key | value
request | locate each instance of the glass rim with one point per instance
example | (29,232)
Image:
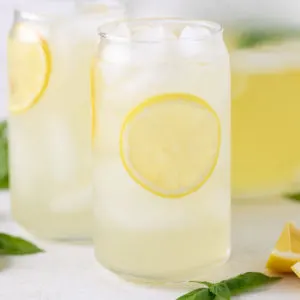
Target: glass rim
(214,28)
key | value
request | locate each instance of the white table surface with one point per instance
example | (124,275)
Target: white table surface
(70,272)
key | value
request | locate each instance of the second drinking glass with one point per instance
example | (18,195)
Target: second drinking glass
(50,49)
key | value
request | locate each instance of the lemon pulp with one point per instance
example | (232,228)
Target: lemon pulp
(296,269)
(169,144)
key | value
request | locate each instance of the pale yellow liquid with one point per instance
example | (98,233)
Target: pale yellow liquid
(265,123)
(50,143)
(139,234)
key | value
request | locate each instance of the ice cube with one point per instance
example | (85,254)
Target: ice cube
(194,33)
(153,43)
(28,35)
(169,34)
(117,53)
(194,43)
(153,34)
(122,31)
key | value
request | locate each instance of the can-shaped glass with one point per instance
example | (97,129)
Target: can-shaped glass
(161,106)
(50,48)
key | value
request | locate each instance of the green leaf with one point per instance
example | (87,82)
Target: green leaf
(204,295)
(4,183)
(234,286)
(189,295)
(221,291)
(257,37)
(4,169)
(208,284)
(199,294)
(295,196)
(248,281)
(13,245)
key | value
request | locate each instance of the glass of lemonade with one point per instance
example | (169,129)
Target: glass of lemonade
(161,148)
(50,48)
(265,110)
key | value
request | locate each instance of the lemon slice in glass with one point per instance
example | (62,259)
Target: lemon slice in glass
(93,98)
(287,250)
(29,67)
(95,87)
(170,144)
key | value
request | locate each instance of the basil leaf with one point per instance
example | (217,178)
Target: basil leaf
(221,291)
(13,245)
(295,196)
(199,294)
(4,169)
(255,38)
(208,284)
(248,281)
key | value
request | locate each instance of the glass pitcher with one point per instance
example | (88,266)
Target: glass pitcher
(265,59)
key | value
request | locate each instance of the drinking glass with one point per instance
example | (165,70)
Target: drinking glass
(50,49)
(161,105)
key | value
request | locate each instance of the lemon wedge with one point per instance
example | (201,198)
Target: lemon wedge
(287,250)
(169,144)
(29,65)
(296,269)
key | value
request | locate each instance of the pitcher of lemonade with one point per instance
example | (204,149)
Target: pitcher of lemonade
(265,60)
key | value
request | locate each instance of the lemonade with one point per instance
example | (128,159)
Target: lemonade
(265,117)
(50,49)
(162,148)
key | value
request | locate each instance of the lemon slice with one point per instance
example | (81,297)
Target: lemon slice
(93,98)
(170,144)
(29,63)
(287,250)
